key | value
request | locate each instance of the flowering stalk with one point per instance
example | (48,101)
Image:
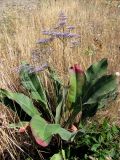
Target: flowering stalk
(64,60)
(63,33)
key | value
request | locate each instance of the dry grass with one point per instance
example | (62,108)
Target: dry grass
(97,22)
(8,142)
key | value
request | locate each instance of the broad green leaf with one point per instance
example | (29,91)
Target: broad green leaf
(32,83)
(96,70)
(97,95)
(59,156)
(24,101)
(77,81)
(15,107)
(73,87)
(43,132)
(103,86)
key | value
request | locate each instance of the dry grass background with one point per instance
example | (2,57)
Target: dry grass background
(97,22)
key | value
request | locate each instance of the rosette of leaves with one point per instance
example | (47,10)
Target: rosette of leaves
(90,90)
(42,130)
(85,93)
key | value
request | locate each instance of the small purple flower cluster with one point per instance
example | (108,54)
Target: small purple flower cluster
(30,69)
(57,35)
(70,28)
(45,40)
(62,19)
(39,68)
(19,68)
(65,33)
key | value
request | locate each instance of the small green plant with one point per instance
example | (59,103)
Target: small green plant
(100,141)
(85,93)
(95,142)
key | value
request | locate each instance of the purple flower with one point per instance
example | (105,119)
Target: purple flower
(39,68)
(74,35)
(62,19)
(46,32)
(29,68)
(22,66)
(62,16)
(70,27)
(62,23)
(62,34)
(45,40)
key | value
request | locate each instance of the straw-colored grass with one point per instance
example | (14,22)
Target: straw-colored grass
(97,22)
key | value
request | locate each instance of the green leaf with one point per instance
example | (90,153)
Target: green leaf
(102,87)
(88,110)
(77,81)
(73,87)
(99,89)
(96,93)
(76,108)
(43,132)
(58,113)
(101,139)
(96,70)
(105,99)
(57,84)
(74,99)
(61,106)
(32,83)
(24,101)
(109,136)
(95,147)
(114,129)
(59,156)
(15,107)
